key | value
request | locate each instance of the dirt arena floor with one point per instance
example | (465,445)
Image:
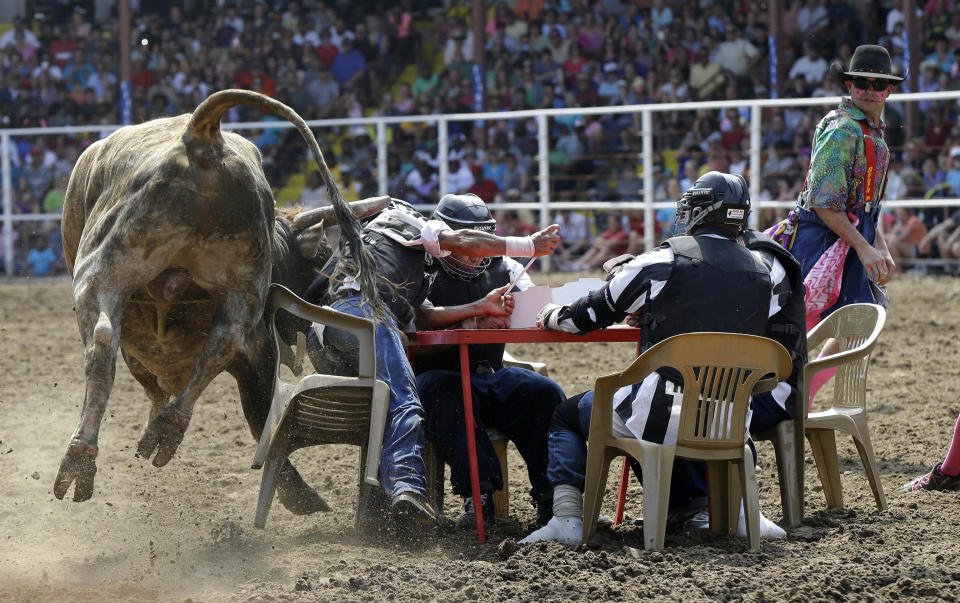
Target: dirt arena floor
(185,532)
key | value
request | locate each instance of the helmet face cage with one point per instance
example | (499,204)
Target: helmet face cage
(461,270)
(464,212)
(714,199)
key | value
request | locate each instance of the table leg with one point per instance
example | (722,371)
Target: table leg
(471,440)
(622,492)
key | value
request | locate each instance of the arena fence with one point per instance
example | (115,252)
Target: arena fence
(642,123)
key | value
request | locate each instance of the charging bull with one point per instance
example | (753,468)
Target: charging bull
(170,234)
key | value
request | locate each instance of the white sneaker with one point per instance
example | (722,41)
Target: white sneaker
(700,521)
(768,529)
(565,530)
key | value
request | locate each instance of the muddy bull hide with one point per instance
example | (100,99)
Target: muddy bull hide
(170,233)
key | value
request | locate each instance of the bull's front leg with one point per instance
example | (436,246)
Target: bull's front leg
(231,325)
(99,315)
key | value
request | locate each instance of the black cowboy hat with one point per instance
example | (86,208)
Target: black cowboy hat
(873,61)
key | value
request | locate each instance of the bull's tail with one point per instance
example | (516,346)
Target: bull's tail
(204,142)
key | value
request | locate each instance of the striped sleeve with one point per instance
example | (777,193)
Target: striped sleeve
(637,281)
(780,290)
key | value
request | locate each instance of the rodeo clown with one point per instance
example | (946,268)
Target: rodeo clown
(405,246)
(514,400)
(711,277)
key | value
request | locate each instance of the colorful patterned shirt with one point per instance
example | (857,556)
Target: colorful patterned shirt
(838,162)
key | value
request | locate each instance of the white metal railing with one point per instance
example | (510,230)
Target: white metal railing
(544,204)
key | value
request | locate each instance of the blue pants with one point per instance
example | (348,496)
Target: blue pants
(567,446)
(813,239)
(401,461)
(516,401)
(568,456)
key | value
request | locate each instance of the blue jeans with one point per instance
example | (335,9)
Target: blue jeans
(401,461)
(516,401)
(567,446)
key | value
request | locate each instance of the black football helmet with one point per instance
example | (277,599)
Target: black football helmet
(715,198)
(466,211)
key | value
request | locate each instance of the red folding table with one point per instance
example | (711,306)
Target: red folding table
(465,337)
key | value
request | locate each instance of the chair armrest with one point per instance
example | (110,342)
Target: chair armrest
(601,415)
(281,297)
(766,385)
(818,334)
(839,358)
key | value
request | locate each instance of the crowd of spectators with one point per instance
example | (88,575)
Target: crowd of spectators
(62,69)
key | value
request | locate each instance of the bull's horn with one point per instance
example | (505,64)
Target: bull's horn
(361,209)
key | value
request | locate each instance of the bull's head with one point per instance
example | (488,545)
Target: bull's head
(301,250)
(309,226)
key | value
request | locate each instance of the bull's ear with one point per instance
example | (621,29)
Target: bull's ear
(312,240)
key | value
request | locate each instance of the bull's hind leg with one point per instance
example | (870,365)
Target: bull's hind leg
(227,334)
(158,397)
(99,313)
(253,370)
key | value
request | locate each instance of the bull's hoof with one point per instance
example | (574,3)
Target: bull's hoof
(296,496)
(77,466)
(163,435)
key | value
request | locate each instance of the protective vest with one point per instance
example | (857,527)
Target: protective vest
(788,326)
(714,285)
(449,291)
(406,273)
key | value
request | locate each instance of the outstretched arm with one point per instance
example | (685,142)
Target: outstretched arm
(633,284)
(476,243)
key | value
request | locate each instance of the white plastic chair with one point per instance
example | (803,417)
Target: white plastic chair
(857,328)
(720,371)
(322,409)
(537,367)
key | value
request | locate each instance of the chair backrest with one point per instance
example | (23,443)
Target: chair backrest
(720,372)
(856,327)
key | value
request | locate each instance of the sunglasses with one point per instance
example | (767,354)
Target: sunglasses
(878,85)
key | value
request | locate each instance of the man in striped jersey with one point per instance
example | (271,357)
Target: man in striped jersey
(712,277)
